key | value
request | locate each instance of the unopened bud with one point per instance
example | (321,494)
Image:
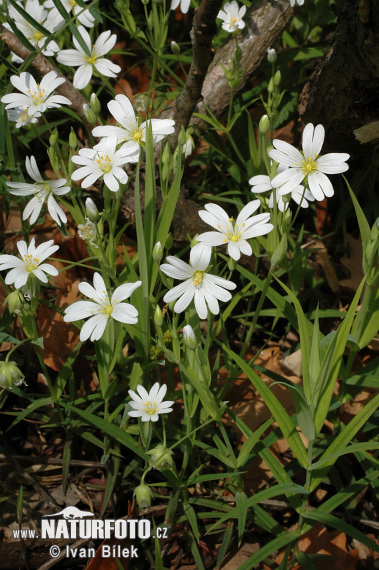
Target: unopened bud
(89,115)
(189,337)
(270,87)
(14,302)
(232,264)
(53,137)
(175,48)
(166,154)
(10,374)
(158,316)
(95,104)
(182,136)
(92,212)
(277,78)
(158,252)
(143,496)
(72,140)
(141,102)
(264,124)
(271,55)
(161,457)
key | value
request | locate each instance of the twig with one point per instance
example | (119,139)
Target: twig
(43,66)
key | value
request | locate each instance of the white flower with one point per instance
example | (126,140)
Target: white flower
(29,264)
(184,5)
(189,337)
(232,16)
(148,405)
(42,190)
(35,97)
(84,17)
(307,165)
(130,132)
(52,21)
(100,308)
(234,234)
(21,117)
(78,57)
(105,162)
(204,288)
(271,55)
(87,232)
(263,183)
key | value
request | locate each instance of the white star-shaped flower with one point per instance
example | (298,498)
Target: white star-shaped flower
(42,190)
(148,405)
(78,57)
(234,234)
(52,21)
(262,183)
(232,16)
(29,264)
(21,117)
(84,16)
(103,161)
(100,309)
(307,165)
(131,133)
(35,97)
(199,285)
(183,5)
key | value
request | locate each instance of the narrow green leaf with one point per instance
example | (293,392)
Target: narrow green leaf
(367,376)
(281,489)
(275,407)
(113,469)
(190,513)
(364,446)
(110,429)
(364,228)
(337,523)
(268,549)
(39,403)
(66,464)
(342,440)
(227,538)
(20,504)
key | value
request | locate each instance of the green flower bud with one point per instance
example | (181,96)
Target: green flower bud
(270,87)
(182,136)
(10,374)
(277,78)
(89,115)
(53,137)
(232,264)
(161,457)
(158,316)
(175,48)
(189,337)
(92,212)
(72,140)
(141,102)
(264,124)
(14,302)
(143,496)
(95,104)
(158,252)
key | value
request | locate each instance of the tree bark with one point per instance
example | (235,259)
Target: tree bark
(343,91)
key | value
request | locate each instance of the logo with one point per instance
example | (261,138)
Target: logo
(72,513)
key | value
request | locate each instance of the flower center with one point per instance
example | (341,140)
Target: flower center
(198,277)
(37,36)
(31,263)
(137,135)
(87,231)
(72,3)
(104,162)
(232,21)
(92,59)
(308,165)
(38,95)
(106,310)
(150,408)
(233,233)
